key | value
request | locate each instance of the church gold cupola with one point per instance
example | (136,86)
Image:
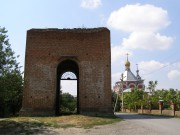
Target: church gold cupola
(127,63)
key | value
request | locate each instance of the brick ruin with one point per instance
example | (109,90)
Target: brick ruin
(50,53)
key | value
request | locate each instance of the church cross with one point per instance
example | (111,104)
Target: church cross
(127,56)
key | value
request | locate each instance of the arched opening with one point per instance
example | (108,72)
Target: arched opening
(67,93)
(124,86)
(140,86)
(131,85)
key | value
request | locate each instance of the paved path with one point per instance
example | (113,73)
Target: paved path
(151,125)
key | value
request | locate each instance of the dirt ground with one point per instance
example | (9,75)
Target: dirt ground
(133,124)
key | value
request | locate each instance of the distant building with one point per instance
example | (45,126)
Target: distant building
(129,80)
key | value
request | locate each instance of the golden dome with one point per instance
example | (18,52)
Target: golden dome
(127,64)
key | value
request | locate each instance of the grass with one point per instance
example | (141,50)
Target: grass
(30,125)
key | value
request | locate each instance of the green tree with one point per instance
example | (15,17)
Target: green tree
(137,96)
(134,99)
(68,103)
(167,96)
(178,99)
(171,96)
(128,100)
(154,99)
(152,86)
(11,81)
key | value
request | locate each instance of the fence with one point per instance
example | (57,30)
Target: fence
(161,111)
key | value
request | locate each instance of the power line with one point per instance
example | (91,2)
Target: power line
(162,67)
(170,56)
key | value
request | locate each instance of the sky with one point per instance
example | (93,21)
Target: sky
(148,30)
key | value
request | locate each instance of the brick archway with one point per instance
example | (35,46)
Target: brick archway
(63,67)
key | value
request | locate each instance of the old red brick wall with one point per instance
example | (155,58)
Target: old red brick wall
(47,48)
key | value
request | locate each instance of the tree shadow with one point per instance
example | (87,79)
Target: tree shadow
(131,116)
(9,127)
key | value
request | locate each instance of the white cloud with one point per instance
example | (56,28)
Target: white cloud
(147,40)
(150,66)
(116,76)
(117,52)
(143,22)
(91,4)
(175,66)
(139,18)
(174,74)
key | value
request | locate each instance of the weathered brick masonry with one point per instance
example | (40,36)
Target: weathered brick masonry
(47,48)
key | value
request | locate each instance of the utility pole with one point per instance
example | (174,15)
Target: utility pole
(122,76)
(120,89)
(116,101)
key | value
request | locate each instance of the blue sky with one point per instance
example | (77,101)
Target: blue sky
(148,30)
